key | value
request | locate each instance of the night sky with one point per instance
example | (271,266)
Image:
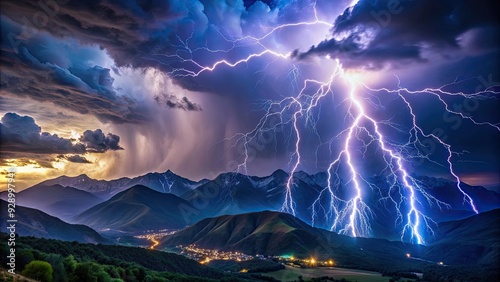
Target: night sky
(121,88)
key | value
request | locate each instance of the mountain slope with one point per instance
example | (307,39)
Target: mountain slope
(274,233)
(61,202)
(138,209)
(266,232)
(32,222)
(474,239)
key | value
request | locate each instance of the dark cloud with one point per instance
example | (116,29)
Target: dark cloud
(74,159)
(128,30)
(132,32)
(249,3)
(20,135)
(159,34)
(375,34)
(96,141)
(353,54)
(85,90)
(174,102)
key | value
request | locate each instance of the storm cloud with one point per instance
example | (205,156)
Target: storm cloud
(177,37)
(378,34)
(21,136)
(82,90)
(96,141)
(174,102)
(74,159)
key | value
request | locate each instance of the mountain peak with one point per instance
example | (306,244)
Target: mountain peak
(280,173)
(137,209)
(266,232)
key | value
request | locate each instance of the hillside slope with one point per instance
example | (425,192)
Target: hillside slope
(268,233)
(139,209)
(32,222)
(471,240)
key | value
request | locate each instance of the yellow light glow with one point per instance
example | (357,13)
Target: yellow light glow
(58,165)
(75,135)
(330,262)
(313,261)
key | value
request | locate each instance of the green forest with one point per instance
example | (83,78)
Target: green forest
(50,260)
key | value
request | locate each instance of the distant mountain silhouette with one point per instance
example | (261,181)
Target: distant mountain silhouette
(61,202)
(32,222)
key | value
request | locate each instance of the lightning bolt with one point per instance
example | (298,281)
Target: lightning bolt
(486,94)
(350,213)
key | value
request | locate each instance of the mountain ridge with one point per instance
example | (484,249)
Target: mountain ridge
(167,182)
(235,193)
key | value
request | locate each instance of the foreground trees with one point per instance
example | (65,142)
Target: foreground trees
(38,270)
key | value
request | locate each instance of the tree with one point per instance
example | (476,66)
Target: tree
(69,265)
(90,272)
(57,262)
(38,270)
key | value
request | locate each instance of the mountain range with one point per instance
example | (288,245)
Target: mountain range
(134,211)
(166,182)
